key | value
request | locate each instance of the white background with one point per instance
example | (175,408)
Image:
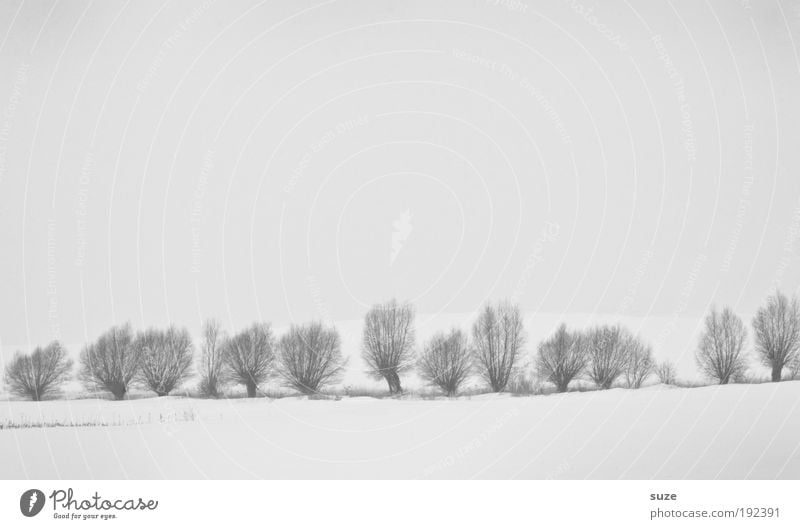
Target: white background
(404,504)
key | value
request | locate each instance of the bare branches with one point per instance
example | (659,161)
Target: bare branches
(211,365)
(166,358)
(608,350)
(720,353)
(562,357)
(640,363)
(498,337)
(446,361)
(310,356)
(249,356)
(777,333)
(39,374)
(388,342)
(794,368)
(111,362)
(665,373)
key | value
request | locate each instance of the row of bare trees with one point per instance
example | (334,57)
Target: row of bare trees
(494,352)
(308,357)
(722,350)
(447,359)
(160,360)
(605,355)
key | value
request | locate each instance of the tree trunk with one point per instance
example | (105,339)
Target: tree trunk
(251,389)
(393,379)
(306,389)
(562,386)
(776,372)
(118,390)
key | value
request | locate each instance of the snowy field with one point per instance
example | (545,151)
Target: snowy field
(721,432)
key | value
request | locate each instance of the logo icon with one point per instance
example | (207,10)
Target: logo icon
(402,229)
(31,502)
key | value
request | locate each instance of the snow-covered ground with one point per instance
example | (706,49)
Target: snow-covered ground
(737,431)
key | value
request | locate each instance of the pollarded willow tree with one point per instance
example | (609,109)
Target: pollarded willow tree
(387,344)
(38,375)
(720,352)
(211,364)
(640,363)
(249,357)
(310,356)
(561,358)
(166,358)
(446,361)
(111,362)
(777,333)
(608,348)
(498,337)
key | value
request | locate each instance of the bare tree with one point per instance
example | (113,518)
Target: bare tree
(39,374)
(498,337)
(446,361)
(794,368)
(111,362)
(211,366)
(249,356)
(310,356)
(608,349)
(640,363)
(166,358)
(561,358)
(388,342)
(777,333)
(720,352)
(665,373)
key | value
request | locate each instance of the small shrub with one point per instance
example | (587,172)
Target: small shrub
(666,374)
(525,385)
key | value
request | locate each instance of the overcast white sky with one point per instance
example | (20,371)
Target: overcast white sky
(287,160)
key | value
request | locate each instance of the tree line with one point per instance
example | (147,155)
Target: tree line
(308,357)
